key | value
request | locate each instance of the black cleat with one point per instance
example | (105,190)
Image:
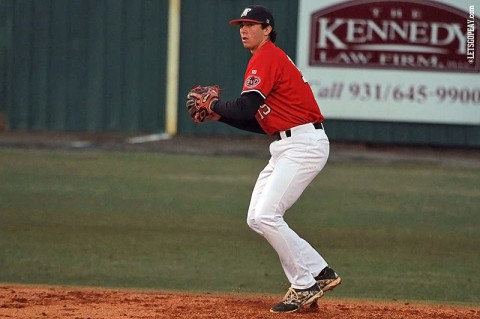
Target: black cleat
(328,279)
(295,299)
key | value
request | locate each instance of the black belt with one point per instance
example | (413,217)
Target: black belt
(288,133)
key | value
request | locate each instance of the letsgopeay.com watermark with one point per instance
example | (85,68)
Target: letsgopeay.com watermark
(471,35)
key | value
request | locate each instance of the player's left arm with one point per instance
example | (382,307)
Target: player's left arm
(243,108)
(250,125)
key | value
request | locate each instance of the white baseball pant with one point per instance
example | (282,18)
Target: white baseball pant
(294,163)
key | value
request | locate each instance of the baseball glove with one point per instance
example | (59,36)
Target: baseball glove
(199,102)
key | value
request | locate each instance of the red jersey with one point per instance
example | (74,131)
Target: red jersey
(289,100)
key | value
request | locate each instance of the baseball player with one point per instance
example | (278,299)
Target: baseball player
(276,100)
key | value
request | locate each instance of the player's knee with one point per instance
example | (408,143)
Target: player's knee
(259,225)
(253,225)
(265,222)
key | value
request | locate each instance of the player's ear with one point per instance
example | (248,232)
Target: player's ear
(267,30)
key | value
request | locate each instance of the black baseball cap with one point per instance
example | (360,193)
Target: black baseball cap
(255,14)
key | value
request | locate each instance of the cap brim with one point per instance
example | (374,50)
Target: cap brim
(238,21)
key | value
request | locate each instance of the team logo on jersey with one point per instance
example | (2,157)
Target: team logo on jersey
(252,81)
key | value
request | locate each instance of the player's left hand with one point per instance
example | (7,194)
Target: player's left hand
(199,102)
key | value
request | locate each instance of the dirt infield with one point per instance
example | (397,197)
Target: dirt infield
(17,301)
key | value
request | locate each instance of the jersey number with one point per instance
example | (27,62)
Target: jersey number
(264,110)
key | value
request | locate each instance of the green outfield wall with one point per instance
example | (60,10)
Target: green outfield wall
(101,66)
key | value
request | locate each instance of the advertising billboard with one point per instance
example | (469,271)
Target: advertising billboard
(400,61)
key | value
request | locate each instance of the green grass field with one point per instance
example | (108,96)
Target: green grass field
(155,221)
